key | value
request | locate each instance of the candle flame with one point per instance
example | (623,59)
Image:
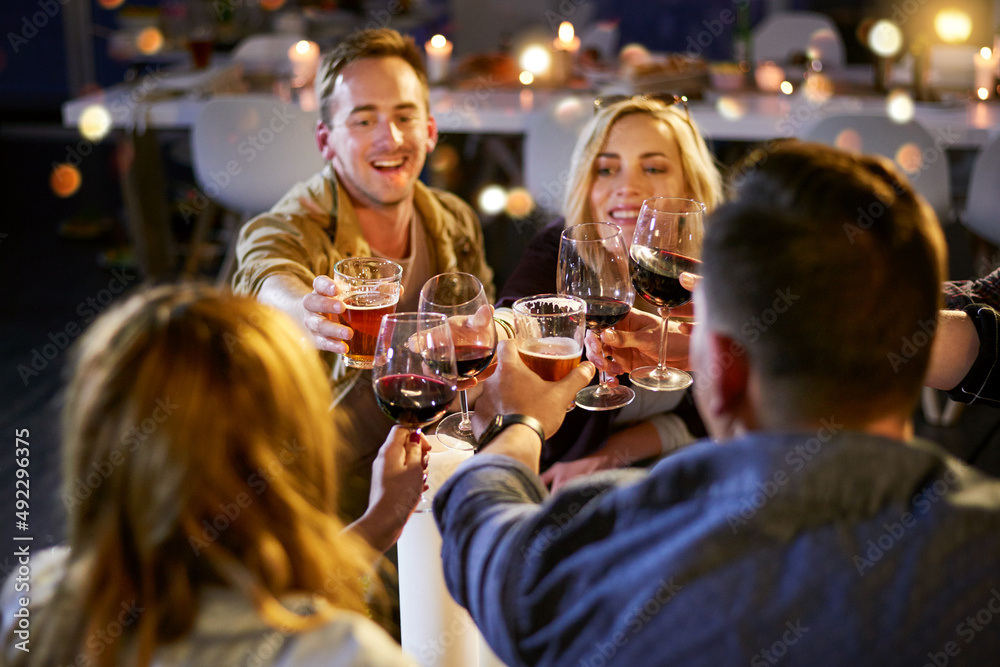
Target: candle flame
(566,32)
(438,41)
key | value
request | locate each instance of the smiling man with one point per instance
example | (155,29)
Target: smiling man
(375,133)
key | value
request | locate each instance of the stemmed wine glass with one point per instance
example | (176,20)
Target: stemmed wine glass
(593,265)
(414,371)
(667,242)
(461,297)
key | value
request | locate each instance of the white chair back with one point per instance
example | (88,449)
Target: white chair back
(783,34)
(982,205)
(549,139)
(265,52)
(248,151)
(908,144)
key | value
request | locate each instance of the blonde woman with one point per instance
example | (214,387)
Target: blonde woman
(199,480)
(634,148)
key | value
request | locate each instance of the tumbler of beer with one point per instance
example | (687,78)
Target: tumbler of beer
(369,288)
(549,331)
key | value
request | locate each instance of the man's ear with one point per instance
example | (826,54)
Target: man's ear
(432,133)
(729,374)
(323,142)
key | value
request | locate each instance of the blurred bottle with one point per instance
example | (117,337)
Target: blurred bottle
(742,43)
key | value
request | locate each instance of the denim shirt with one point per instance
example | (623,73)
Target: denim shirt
(833,547)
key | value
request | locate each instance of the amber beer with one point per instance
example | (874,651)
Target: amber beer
(364,315)
(369,288)
(550,358)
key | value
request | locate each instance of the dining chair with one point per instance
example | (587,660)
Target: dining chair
(247,151)
(265,52)
(785,34)
(921,157)
(982,204)
(549,138)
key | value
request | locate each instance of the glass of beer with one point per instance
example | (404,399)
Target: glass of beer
(549,331)
(369,288)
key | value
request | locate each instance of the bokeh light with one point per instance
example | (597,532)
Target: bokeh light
(787,88)
(536,59)
(526,78)
(952,25)
(444,159)
(492,199)
(95,122)
(271,5)
(885,38)
(520,203)
(149,41)
(730,108)
(983,93)
(566,32)
(849,140)
(110,4)
(65,180)
(899,106)
(818,88)
(910,158)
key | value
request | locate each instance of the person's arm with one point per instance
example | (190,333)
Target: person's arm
(397,481)
(961,293)
(307,305)
(516,389)
(955,348)
(635,341)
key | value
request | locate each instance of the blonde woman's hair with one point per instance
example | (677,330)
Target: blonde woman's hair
(701,174)
(197,451)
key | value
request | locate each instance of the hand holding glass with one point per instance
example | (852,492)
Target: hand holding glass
(462,299)
(549,331)
(414,369)
(667,242)
(593,265)
(369,288)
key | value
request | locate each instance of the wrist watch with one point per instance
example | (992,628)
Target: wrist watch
(500,422)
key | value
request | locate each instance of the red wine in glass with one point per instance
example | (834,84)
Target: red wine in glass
(472,360)
(604,312)
(656,275)
(413,401)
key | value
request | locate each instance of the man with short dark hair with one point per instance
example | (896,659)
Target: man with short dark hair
(815,529)
(375,133)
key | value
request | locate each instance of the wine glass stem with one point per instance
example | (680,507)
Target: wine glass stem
(602,387)
(466,423)
(661,366)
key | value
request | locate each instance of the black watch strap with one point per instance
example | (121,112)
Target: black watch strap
(500,422)
(981,384)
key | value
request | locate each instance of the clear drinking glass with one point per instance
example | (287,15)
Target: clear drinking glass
(667,242)
(369,287)
(414,370)
(462,299)
(593,265)
(549,331)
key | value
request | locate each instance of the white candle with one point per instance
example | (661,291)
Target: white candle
(304,56)
(434,628)
(438,50)
(985,76)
